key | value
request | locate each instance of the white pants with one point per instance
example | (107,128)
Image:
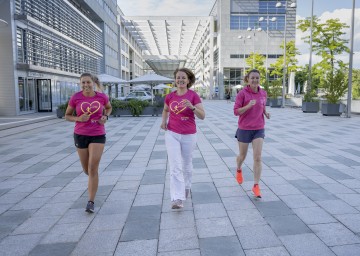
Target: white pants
(180,149)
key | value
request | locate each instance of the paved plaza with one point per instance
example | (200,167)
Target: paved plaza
(310,186)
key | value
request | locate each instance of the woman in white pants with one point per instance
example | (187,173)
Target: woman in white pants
(178,119)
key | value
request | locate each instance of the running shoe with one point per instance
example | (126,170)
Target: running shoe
(239,176)
(177,204)
(256,190)
(90,207)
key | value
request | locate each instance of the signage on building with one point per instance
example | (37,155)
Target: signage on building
(35,74)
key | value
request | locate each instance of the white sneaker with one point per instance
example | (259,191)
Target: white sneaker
(177,204)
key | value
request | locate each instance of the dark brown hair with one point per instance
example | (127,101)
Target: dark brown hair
(189,74)
(246,78)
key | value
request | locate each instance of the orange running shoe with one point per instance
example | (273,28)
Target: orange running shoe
(239,176)
(256,190)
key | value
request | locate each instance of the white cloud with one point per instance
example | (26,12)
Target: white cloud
(344,15)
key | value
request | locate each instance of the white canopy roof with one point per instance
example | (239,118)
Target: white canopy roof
(151,79)
(105,78)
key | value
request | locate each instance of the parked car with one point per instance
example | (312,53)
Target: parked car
(139,95)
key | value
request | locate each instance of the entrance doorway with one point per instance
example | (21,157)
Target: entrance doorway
(43,89)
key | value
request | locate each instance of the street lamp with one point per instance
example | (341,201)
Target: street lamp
(348,111)
(243,37)
(292,5)
(254,29)
(273,19)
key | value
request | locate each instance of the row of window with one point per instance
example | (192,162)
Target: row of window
(61,17)
(110,32)
(252,21)
(262,7)
(35,49)
(111,52)
(242,56)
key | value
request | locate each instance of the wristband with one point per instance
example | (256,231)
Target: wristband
(107,117)
(193,109)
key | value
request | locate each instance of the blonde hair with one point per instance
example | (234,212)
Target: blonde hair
(95,79)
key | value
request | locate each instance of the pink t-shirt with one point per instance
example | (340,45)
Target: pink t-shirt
(93,105)
(253,118)
(181,118)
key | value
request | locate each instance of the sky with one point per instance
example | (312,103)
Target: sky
(324,9)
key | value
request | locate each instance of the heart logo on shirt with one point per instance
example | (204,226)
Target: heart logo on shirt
(92,108)
(177,107)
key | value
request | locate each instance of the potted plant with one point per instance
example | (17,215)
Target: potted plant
(60,111)
(336,86)
(310,103)
(120,107)
(275,90)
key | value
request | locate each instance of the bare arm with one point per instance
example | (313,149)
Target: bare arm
(164,116)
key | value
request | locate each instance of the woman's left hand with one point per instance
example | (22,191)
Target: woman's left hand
(188,104)
(267,114)
(102,120)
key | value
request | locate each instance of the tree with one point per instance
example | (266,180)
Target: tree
(356,84)
(291,61)
(328,42)
(257,60)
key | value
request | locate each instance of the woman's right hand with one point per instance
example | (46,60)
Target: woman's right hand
(84,117)
(251,103)
(163,126)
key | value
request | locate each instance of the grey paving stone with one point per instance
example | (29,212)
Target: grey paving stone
(37,168)
(136,248)
(305,245)
(177,219)
(237,203)
(284,189)
(153,179)
(332,173)
(203,211)
(59,249)
(313,215)
(231,192)
(36,225)
(347,250)
(254,237)
(149,199)
(178,239)
(9,246)
(21,158)
(287,225)
(337,207)
(352,199)
(98,243)
(351,221)
(216,246)
(140,230)
(149,212)
(271,251)
(65,233)
(214,227)
(334,234)
(275,208)
(181,253)
(297,201)
(11,219)
(246,217)
(304,184)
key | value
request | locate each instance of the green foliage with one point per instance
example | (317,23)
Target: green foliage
(118,104)
(291,61)
(275,89)
(310,96)
(336,85)
(256,61)
(63,106)
(356,84)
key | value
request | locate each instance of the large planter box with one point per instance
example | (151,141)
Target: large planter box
(149,111)
(328,109)
(60,113)
(275,103)
(122,112)
(310,107)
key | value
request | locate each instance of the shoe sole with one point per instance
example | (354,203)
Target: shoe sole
(177,206)
(89,211)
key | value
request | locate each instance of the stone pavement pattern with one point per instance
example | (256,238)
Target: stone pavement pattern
(310,186)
